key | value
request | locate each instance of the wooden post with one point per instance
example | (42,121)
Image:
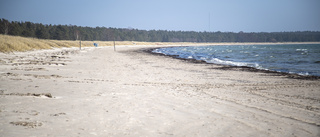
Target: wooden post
(114,45)
(80,43)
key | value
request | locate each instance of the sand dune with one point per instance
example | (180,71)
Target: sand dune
(99,92)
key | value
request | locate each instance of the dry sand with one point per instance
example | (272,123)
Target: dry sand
(99,92)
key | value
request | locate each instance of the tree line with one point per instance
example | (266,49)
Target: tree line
(72,32)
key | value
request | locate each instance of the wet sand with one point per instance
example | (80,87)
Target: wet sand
(99,92)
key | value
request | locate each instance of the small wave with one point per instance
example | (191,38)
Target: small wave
(157,51)
(222,62)
(303,73)
(232,63)
(301,49)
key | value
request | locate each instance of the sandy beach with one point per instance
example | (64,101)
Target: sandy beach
(100,92)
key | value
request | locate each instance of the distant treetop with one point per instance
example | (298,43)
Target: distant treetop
(71,32)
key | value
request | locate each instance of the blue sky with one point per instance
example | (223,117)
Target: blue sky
(184,15)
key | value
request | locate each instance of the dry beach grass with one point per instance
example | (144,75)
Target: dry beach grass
(99,92)
(16,43)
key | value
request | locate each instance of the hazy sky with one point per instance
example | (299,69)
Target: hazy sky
(185,15)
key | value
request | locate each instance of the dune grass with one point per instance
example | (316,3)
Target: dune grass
(16,43)
(21,44)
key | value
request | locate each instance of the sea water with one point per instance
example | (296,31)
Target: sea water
(302,59)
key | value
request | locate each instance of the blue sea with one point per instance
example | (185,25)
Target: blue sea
(302,59)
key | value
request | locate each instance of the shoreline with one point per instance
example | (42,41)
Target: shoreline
(238,68)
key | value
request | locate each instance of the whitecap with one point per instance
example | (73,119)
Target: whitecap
(303,73)
(301,49)
(223,62)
